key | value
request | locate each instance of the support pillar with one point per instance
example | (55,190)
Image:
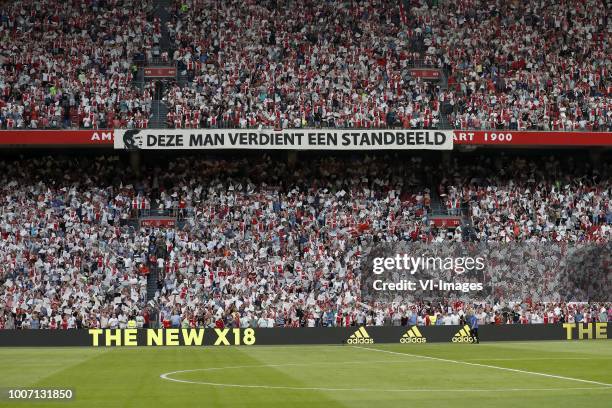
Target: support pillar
(135,161)
(292,157)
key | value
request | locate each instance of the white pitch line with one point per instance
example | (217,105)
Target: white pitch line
(535,358)
(515,370)
(310,364)
(167,376)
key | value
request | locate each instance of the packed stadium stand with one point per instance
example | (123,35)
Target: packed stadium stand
(67,64)
(306,203)
(259,241)
(506,65)
(93,240)
(470,64)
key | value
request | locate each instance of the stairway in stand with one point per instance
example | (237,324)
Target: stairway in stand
(159,112)
(152,282)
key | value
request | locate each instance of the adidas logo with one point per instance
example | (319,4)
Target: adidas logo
(361,336)
(413,335)
(463,335)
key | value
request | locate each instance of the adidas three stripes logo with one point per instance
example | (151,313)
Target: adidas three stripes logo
(360,336)
(413,335)
(464,335)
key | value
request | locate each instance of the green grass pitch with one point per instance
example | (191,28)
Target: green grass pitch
(512,374)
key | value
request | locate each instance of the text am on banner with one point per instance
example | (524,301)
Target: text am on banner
(57,138)
(287,139)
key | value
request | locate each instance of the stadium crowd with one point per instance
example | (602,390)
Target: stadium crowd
(522,65)
(508,65)
(529,200)
(265,242)
(310,64)
(536,64)
(72,64)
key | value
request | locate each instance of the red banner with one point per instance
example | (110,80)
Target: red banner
(98,137)
(531,138)
(445,222)
(158,222)
(425,73)
(105,137)
(160,72)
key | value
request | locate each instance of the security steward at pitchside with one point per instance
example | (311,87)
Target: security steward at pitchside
(473,322)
